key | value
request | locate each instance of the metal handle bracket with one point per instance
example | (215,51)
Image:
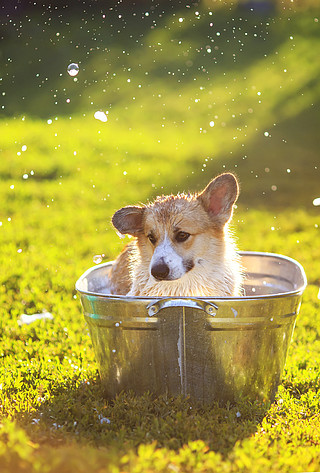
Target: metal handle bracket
(208,307)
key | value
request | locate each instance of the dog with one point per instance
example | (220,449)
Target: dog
(182,245)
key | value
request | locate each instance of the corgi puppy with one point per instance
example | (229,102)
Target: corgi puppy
(182,246)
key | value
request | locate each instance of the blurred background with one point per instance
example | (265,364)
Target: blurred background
(106,103)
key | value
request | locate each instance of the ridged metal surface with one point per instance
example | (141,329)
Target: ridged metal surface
(211,349)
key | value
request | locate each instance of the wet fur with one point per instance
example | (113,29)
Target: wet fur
(206,264)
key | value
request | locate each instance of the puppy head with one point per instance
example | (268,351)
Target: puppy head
(175,233)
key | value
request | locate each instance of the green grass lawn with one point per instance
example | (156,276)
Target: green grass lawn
(63,174)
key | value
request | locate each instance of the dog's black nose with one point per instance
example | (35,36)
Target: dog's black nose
(160,270)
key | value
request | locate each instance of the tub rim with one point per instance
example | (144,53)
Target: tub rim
(124,298)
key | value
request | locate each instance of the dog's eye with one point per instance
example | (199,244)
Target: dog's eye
(152,238)
(182,236)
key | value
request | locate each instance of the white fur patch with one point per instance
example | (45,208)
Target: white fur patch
(165,253)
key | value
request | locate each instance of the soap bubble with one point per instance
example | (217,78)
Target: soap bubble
(73,69)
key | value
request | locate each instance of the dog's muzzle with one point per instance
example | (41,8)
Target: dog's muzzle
(161,271)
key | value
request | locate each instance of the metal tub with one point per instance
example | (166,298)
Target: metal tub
(211,349)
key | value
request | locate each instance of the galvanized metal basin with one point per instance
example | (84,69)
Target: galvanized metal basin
(212,349)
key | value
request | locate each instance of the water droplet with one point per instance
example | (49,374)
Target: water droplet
(97,259)
(235,312)
(73,69)
(100,116)
(211,123)
(105,420)
(266,133)
(24,148)
(316,202)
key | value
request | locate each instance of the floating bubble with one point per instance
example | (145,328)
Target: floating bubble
(101,116)
(73,69)
(316,202)
(97,259)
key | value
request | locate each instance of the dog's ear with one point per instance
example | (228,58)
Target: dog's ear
(129,220)
(219,196)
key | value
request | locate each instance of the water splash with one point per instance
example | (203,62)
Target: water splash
(26,319)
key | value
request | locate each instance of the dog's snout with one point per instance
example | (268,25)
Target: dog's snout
(160,270)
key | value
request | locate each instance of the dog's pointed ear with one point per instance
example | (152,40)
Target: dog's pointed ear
(129,220)
(219,197)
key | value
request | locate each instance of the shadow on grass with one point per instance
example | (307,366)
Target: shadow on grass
(84,415)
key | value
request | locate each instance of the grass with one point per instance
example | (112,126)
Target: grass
(61,180)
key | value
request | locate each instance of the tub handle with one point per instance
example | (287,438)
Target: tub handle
(209,307)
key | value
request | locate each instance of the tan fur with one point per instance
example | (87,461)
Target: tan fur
(216,269)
